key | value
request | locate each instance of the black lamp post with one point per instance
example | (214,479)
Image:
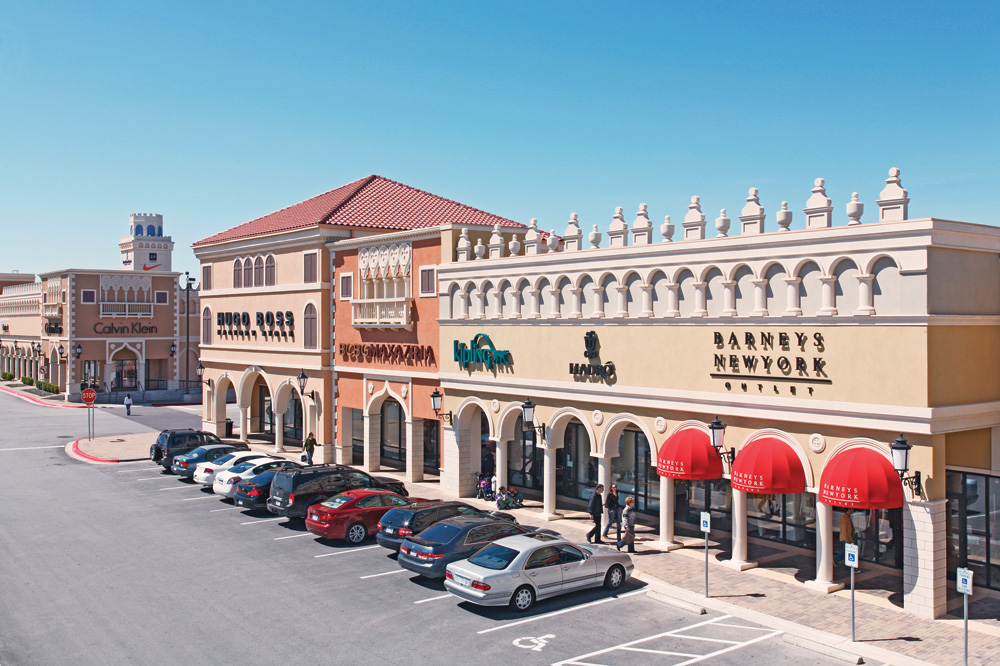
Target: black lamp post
(201,371)
(901,463)
(528,418)
(436,406)
(62,351)
(78,351)
(188,281)
(173,349)
(718,430)
(302,379)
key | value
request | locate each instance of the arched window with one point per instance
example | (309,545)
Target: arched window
(269,272)
(309,327)
(206,327)
(237,274)
(138,230)
(248,272)
(159,231)
(258,272)
(150,230)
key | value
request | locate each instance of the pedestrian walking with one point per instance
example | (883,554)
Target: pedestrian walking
(595,507)
(308,447)
(128,404)
(614,509)
(628,522)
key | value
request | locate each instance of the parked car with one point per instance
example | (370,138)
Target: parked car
(225,481)
(204,473)
(293,491)
(185,463)
(519,570)
(253,493)
(454,539)
(170,443)
(398,524)
(353,514)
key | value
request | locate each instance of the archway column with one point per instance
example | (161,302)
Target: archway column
(244,423)
(792,308)
(666,541)
(759,298)
(824,551)
(866,294)
(604,473)
(503,448)
(414,451)
(738,559)
(700,309)
(373,438)
(279,432)
(829,292)
(549,486)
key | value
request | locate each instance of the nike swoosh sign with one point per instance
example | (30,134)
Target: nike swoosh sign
(149,268)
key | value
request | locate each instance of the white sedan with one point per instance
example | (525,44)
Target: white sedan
(226,481)
(205,472)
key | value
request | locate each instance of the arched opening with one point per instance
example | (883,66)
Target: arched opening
(237,274)
(138,230)
(126,370)
(150,230)
(258,272)
(392,434)
(293,419)
(634,471)
(220,399)
(576,470)
(269,272)
(525,460)
(248,272)
(261,411)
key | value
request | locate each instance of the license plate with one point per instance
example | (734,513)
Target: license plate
(461,580)
(387,530)
(313,516)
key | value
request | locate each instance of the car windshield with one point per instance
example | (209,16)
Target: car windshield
(242,467)
(224,459)
(197,452)
(440,533)
(494,557)
(337,502)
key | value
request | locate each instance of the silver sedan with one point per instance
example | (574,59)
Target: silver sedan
(519,570)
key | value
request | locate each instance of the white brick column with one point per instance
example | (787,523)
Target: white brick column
(925,563)
(415,451)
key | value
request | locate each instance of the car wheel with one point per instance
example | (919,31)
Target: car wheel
(523,599)
(357,533)
(154,454)
(615,577)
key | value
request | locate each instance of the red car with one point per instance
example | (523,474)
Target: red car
(353,514)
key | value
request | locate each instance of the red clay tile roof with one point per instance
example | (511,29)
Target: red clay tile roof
(373,202)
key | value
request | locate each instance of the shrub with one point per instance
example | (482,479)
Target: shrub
(6,376)
(27,381)
(45,386)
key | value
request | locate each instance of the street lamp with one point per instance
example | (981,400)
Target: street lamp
(436,406)
(302,379)
(901,463)
(528,418)
(62,351)
(173,348)
(717,430)
(188,281)
(201,370)
(78,351)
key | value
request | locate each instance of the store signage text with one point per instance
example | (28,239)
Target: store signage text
(238,323)
(829,491)
(388,353)
(750,483)
(759,356)
(125,329)
(481,350)
(591,350)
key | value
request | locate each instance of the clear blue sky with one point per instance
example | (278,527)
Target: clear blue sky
(214,113)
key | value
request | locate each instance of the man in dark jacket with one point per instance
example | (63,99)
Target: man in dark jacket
(595,507)
(614,508)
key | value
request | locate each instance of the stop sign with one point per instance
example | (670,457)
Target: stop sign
(89,396)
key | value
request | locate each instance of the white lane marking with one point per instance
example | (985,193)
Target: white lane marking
(228,508)
(386,573)
(153,478)
(136,469)
(443,596)
(191,499)
(174,488)
(294,536)
(565,610)
(262,520)
(348,552)
(729,649)
(32,448)
(711,640)
(666,652)
(740,626)
(578,661)
(135,462)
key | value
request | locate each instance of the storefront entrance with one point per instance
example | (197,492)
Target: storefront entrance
(974,526)
(264,419)
(392,442)
(126,371)
(293,418)
(634,473)
(525,462)
(576,471)
(432,446)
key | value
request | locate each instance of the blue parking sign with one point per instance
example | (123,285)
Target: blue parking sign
(706,519)
(851,555)
(963,581)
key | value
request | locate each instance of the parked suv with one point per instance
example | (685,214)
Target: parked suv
(293,491)
(172,443)
(400,523)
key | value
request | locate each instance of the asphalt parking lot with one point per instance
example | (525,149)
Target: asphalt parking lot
(122,564)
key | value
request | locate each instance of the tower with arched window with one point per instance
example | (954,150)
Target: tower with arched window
(145,249)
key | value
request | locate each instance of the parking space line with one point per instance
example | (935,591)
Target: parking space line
(174,488)
(32,448)
(228,508)
(740,626)
(261,520)
(191,499)
(385,573)
(710,640)
(294,536)
(615,597)
(728,649)
(348,552)
(443,596)
(664,652)
(134,469)
(154,478)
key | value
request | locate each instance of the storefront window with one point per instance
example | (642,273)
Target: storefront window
(786,518)
(293,418)
(392,447)
(125,374)
(576,471)
(635,474)
(266,414)
(92,372)
(693,497)
(432,445)
(973,507)
(525,462)
(357,437)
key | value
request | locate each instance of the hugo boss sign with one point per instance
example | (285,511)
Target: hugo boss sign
(242,319)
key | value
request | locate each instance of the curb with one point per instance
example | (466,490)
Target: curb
(820,648)
(74,449)
(656,595)
(38,401)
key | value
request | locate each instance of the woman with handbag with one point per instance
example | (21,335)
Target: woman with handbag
(628,524)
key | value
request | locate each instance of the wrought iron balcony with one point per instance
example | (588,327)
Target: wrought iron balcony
(381,312)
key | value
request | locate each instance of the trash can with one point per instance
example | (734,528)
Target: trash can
(229,428)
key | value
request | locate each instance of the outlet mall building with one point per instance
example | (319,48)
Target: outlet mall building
(818,350)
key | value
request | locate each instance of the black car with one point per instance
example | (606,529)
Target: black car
(294,491)
(172,443)
(253,493)
(398,524)
(454,539)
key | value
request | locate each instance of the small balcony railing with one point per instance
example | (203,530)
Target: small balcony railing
(126,309)
(51,309)
(381,312)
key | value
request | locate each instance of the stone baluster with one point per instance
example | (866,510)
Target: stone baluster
(829,293)
(893,202)
(694,221)
(866,294)
(514,246)
(479,249)
(792,307)
(572,237)
(752,216)
(667,229)
(855,209)
(819,208)
(463,250)
(618,231)
(496,243)
(759,298)
(532,239)
(552,242)
(642,228)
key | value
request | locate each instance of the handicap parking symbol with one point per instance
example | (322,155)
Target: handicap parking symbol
(851,555)
(533,643)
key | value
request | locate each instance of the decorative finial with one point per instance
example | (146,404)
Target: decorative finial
(855,209)
(784,217)
(722,224)
(514,245)
(595,238)
(667,229)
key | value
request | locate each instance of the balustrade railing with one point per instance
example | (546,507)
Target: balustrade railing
(381,312)
(126,309)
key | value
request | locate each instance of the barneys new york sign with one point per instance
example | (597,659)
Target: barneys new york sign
(782,356)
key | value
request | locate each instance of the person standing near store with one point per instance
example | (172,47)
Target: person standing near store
(128,404)
(614,512)
(595,507)
(628,520)
(308,447)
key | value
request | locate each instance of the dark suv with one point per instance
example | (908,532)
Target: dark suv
(400,523)
(172,443)
(293,491)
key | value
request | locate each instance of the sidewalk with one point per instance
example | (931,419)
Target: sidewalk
(31,394)
(886,633)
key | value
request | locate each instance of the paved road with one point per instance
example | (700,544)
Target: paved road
(121,564)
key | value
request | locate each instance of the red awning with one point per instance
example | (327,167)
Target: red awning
(861,478)
(768,465)
(688,454)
